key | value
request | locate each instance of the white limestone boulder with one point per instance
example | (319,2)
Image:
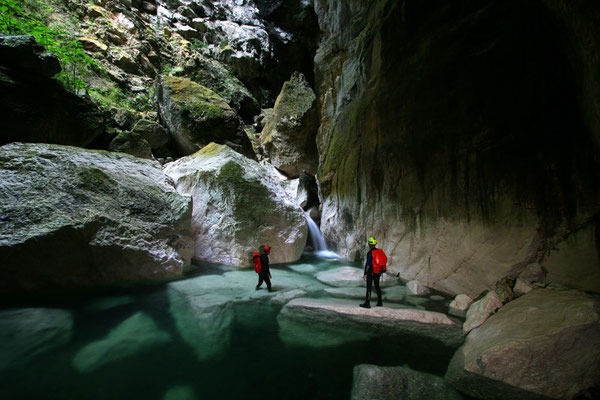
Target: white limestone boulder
(76,218)
(460,305)
(545,344)
(238,206)
(351,277)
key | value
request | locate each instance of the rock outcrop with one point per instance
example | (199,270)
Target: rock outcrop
(75,218)
(465,162)
(288,139)
(36,108)
(331,322)
(196,116)
(238,206)
(545,343)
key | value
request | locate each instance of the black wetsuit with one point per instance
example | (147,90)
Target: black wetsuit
(372,277)
(264,273)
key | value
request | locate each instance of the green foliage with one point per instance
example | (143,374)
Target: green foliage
(32,17)
(197,44)
(115,97)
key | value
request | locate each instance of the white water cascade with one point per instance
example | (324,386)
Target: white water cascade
(318,241)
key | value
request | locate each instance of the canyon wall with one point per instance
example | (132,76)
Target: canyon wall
(464,136)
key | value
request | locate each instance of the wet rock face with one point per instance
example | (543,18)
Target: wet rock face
(36,108)
(454,133)
(545,343)
(238,207)
(74,218)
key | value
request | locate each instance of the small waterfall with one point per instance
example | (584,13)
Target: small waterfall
(318,241)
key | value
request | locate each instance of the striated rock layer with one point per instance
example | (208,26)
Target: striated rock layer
(74,218)
(463,136)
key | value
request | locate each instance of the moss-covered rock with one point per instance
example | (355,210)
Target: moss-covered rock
(74,218)
(238,206)
(196,116)
(288,138)
(131,143)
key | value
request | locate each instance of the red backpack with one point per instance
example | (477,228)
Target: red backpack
(257,263)
(379,261)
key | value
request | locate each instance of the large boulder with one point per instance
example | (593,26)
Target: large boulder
(196,116)
(472,167)
(288,138)
(79,218)
(331,322)
(36,108)
(372,382)
(238,206)
(545,343)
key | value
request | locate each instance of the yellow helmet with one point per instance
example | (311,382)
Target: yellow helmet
(372,240)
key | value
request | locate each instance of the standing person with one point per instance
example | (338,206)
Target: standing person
(264,274)
(374,267)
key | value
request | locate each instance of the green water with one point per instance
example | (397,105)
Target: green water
(256,363)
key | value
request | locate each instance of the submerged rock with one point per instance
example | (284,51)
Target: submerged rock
(136,334)
(74,218)
(372,382)
(331,322)
(545,343)
(238,206)
(26,333)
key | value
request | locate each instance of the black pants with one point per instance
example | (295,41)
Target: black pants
(264,276)
(370,279)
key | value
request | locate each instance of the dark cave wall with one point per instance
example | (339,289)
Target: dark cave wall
(461,134)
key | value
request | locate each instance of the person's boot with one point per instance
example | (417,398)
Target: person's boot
(257,287)
(366,304)
(379,303)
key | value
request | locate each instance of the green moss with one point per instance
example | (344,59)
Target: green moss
(95,179)
(251,199)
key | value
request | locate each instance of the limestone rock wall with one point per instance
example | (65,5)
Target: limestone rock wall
(462,135)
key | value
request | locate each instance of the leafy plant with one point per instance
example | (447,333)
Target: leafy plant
(31,17)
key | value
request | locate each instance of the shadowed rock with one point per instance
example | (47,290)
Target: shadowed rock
(545,343)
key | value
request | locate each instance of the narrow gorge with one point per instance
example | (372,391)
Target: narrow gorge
(150,147)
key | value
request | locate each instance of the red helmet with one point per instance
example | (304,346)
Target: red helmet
(267,249)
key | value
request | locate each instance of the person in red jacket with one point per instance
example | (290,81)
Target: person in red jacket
(264,274)
(372,274)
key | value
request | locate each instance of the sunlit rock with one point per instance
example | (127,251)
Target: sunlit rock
(331,322)
(196,116)
(372,382)
(137,334)
(26,333)
(288,138)
(545,343)
(79,218)
(238,207)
